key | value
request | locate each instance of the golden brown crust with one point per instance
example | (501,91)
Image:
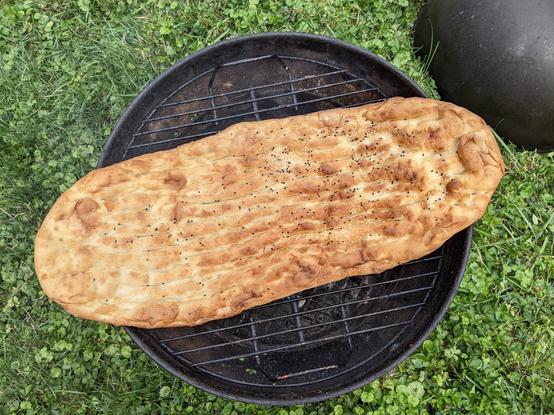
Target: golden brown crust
(265,209)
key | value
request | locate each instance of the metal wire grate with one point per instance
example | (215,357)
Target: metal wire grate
(179,118)
(275,344)
(363,314)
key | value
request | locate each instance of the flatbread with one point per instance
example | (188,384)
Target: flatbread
(264,210)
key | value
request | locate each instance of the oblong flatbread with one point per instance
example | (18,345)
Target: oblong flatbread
(265,209)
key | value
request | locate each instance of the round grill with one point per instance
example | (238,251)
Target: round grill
(325,341)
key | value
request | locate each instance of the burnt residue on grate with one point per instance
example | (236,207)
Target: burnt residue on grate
(365,314)
(324,341)
(231,97)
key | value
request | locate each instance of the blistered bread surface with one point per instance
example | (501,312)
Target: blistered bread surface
(264,210)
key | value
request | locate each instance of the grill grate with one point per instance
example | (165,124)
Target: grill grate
(176,120)
(320,342)
(342,311)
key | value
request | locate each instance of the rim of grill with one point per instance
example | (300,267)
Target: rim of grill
(346,313)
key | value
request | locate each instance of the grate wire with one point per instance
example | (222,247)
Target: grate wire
(309,319)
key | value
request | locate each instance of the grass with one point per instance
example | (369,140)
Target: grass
(67,71)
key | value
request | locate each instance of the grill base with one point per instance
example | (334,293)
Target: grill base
(325,341)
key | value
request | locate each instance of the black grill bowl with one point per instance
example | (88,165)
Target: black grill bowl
(325,341)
